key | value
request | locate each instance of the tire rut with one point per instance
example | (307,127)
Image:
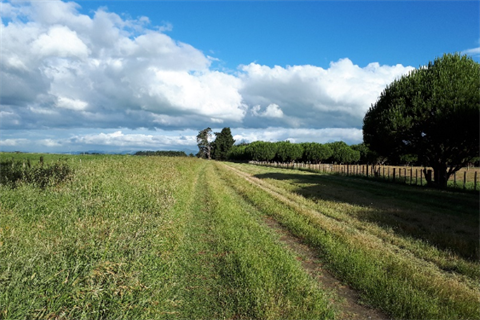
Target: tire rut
(348,300)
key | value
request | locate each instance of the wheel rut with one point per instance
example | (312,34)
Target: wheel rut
(347,300)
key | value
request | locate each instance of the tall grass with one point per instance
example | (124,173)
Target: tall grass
(144,238)
(388,273)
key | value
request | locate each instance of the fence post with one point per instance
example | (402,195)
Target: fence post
(416,176)
(454,179)
(393,174)
(411,173)
(367,170)
(464,180)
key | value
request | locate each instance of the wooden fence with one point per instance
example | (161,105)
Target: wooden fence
(466,178)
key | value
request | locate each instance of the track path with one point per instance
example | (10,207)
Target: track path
(348,301)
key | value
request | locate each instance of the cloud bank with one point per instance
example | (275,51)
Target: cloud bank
(61,69)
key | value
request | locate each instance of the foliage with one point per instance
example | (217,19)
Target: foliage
(288,152)
(204,144)
(342,153)
(222,144)
(238,153)
(261,151)
(431,113)
(16,172)
(316,152)
(162,153)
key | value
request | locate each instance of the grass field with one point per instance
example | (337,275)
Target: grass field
(179,238)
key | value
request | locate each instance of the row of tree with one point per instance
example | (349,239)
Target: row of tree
(222,148)
(161,153)
(285,151)
(429,117)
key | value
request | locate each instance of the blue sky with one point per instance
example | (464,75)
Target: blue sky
(148,75)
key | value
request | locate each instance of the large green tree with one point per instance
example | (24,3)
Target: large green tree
(316,152)
(431,113)
(342,153)
(261,151)
(288,152)
(222,144)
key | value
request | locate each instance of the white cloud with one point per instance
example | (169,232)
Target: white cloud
(13,142)
(119,139)
(272,111)
(349,135)
(475,52)
(72,104)
(60,42)
(311,96)
(64,69)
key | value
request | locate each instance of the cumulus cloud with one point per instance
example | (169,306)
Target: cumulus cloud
(272,134)
(55,58)
(314,97)
(64,69)
(272,111)
(120,139)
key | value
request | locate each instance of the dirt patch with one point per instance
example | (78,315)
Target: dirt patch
(348,300)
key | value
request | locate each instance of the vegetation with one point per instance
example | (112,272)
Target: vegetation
(285,151)
(145,238)
(412,258)
(222,144)
(162,153)
(14,173)
(261,151)
(204,144)
(430,115)
(342,153)
(316,152)
(288,152)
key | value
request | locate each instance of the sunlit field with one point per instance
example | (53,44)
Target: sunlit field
(129,237)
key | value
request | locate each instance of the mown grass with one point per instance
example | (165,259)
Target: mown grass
(235,268)
(144,238)
(387,266)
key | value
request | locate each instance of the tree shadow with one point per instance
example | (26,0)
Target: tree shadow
(448,220)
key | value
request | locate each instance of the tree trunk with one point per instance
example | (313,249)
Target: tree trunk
(428,176)
(441,175)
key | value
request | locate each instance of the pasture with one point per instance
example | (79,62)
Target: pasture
(128,237)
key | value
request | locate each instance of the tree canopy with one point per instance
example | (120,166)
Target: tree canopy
(222,144)
(316,152)
(431,114)
(343,153)
(288,152)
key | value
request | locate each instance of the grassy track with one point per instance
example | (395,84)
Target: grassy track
(379,249)
(145,238)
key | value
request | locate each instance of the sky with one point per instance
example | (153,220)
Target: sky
(124,76)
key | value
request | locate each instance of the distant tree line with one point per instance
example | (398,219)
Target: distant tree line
(161,153)
(285,151)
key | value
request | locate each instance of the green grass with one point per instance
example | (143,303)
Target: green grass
(144,238)
(387,266)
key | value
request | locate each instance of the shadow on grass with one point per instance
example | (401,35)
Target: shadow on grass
(446,219)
